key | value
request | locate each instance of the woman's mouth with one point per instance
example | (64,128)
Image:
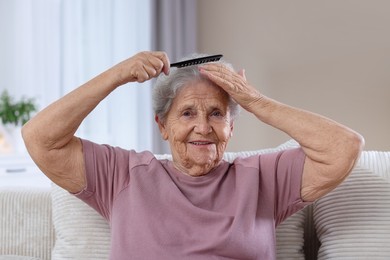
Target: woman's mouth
(200,143)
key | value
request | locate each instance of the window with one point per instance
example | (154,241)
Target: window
(50,47)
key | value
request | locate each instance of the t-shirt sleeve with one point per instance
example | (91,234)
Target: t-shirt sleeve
(107,173)
(287,169)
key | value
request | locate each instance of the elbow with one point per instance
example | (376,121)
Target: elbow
(329,175)
(347,160)
(355,147)
(26,135)
(31,138)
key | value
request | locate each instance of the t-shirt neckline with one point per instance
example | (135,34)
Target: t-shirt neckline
(214,173)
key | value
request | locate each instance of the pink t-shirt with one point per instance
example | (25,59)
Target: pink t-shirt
(156,212)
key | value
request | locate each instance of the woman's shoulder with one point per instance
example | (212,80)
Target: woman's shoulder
(116,153)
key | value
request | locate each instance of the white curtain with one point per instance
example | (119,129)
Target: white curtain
(29,48)
(96,35)
(50,47)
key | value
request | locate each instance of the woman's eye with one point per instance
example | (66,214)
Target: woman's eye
(186,113)
(217,113)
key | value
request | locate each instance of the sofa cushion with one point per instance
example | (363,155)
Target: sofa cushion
(26,227)
(290,237)
(83,233)
(353,221)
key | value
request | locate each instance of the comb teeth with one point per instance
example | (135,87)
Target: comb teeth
(197,61)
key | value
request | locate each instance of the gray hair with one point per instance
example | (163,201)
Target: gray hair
(166,87)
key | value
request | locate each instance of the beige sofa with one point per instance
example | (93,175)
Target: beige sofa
(351,222)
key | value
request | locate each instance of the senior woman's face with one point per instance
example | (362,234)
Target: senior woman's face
(198,127)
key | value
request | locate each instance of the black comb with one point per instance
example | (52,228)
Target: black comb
(186,63)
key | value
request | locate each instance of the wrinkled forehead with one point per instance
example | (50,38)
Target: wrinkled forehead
(202,89)
(202,86)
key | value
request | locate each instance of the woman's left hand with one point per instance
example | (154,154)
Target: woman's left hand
(234,83)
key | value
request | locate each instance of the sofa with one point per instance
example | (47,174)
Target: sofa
(351,222)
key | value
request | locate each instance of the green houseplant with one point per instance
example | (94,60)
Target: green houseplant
(15,113)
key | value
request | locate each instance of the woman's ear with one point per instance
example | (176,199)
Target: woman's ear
(161,126)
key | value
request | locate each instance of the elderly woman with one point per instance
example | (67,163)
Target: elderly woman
(196,206)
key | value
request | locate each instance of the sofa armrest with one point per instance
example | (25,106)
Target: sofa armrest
(26,223)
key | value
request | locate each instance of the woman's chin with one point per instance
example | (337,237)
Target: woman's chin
(197,163)
(203,159)
(202,165)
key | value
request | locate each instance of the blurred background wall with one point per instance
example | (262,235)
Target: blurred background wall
(330,57)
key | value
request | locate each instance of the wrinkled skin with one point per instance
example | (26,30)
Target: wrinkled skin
(198,127)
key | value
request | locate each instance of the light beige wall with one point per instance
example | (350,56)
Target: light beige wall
(331,57)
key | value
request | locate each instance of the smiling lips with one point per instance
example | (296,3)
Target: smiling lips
(200,142)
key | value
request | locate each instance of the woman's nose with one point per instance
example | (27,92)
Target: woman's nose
(202,126)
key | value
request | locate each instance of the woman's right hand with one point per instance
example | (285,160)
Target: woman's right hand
(142,67)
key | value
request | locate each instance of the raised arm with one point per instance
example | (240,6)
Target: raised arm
(331,149)
(49,136)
